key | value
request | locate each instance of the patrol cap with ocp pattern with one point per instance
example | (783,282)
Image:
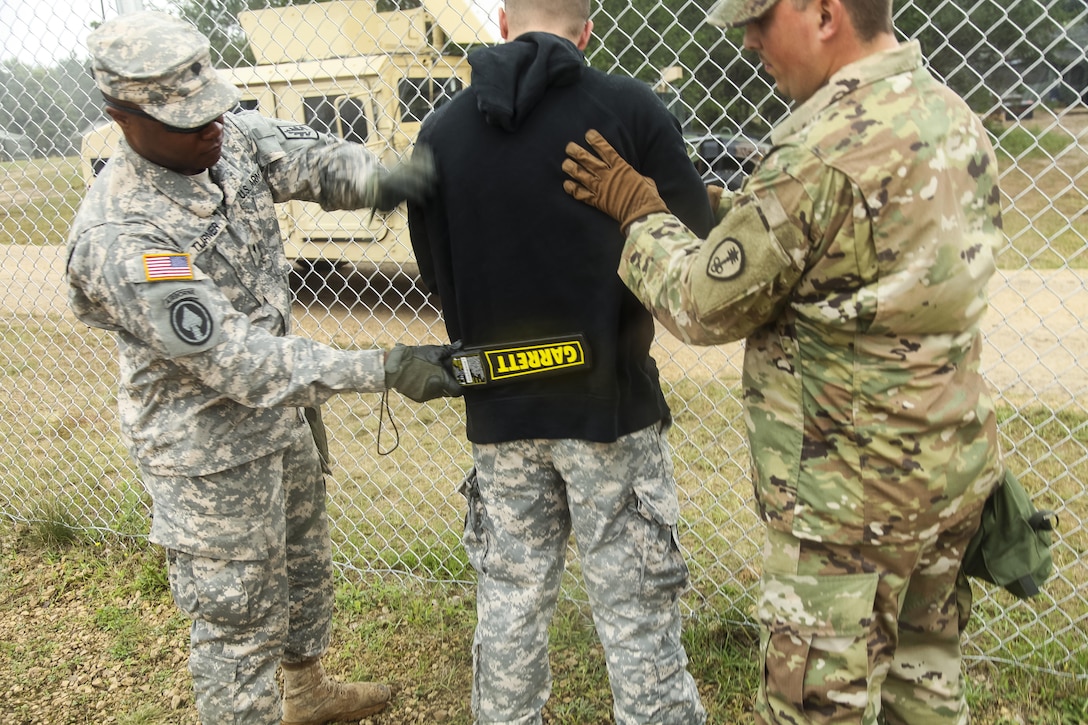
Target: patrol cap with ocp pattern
(731,13)
(162,64)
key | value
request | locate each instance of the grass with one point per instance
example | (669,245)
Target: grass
(52,523)
(120,646)
(38,199)
(1043,185)
(1025,140)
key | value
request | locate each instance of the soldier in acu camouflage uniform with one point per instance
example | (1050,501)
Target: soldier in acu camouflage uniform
(176,249)
(854,262)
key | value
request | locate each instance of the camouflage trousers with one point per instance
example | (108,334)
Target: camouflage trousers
(863,633)
(260,605)
(620,499)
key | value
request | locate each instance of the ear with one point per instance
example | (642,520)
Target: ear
(119,117)
(583,39)
(504,25)
(832,17)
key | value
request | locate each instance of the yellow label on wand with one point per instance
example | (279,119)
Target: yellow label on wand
(520,359)
(544,357)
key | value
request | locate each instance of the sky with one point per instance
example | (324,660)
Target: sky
(41,32)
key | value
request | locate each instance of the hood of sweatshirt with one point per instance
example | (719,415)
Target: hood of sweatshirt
(510,79)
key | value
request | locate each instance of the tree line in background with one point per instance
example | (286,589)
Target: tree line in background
(987,51)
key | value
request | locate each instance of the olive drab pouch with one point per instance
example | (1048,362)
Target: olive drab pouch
(321,437)
(1012,546)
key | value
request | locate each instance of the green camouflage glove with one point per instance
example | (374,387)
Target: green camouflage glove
(421,372)
(412,180)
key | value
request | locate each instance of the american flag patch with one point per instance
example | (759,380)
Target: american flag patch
(167,266)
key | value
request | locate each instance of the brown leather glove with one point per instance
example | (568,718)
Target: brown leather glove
(609,183)
(714,196)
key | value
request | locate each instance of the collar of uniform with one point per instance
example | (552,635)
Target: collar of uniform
(189,193)
(885,64)
(185,208)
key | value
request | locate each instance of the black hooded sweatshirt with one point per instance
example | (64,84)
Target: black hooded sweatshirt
(513,258)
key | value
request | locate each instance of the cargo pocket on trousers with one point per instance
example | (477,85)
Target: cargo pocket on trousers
(664,573)
(217,591)
(816,648)
(475,538)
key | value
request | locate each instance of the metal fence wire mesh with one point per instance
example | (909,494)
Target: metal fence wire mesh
(370,72)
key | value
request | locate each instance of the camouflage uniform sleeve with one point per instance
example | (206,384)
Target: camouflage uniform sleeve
(189,324)
(258,369)
(718,290)
(301,163)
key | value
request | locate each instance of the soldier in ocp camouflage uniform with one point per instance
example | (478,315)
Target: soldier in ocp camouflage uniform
(177,250)
(855,262)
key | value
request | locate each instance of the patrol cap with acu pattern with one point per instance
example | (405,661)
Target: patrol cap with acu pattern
(163,65)
(731,13)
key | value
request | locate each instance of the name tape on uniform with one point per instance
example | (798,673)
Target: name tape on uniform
(511,361)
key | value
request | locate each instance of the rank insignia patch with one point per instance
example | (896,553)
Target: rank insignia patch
(298,132)
(162,266)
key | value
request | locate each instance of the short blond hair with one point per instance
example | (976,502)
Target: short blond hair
(571,14)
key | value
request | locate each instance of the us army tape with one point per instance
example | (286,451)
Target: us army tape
(520,360)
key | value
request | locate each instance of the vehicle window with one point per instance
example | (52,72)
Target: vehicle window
(341,116)
(420,96)
(353,126)
(319,113)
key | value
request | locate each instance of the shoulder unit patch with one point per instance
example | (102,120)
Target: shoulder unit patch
(727,260)
(191,321)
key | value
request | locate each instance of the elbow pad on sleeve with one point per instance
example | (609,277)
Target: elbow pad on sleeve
(749,264)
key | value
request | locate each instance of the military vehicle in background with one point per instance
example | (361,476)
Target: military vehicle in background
(371,76)
(368,76)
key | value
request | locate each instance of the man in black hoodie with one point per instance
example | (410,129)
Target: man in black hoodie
(514,261)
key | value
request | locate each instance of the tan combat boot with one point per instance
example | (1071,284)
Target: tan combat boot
(310,697)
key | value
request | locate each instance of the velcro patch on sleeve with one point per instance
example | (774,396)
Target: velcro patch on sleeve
(743,264)
(183,319)
(298,132)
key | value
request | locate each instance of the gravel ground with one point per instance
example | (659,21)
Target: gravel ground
(54,634)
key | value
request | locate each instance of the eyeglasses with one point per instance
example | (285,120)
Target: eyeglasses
(144,114)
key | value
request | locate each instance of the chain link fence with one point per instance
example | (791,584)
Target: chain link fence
(370,72)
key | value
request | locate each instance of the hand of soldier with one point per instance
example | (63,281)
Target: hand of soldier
(714,196)
(413,180)
(609,183)
(421,372)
